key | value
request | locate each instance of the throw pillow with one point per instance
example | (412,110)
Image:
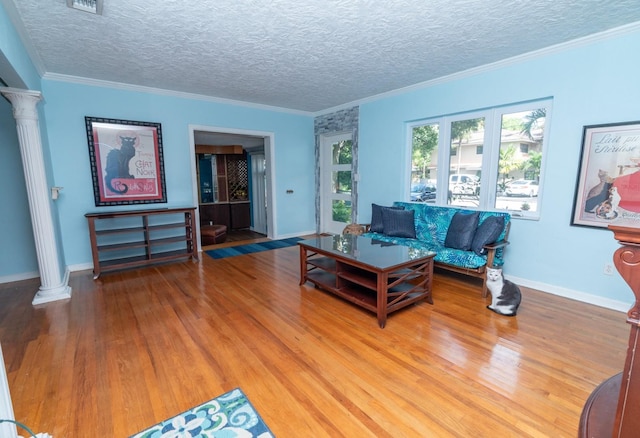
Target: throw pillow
(376,217)
(398,223)
(488,232)
(461,230)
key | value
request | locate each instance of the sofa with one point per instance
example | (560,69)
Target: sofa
(465,241)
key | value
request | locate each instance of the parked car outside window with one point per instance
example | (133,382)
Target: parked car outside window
(423,192)
(522,187)
(464,184)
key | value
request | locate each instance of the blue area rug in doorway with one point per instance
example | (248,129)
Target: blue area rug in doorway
(229,415)
(252,247)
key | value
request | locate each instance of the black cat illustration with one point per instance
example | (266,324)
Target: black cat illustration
(600,192)
(118,163)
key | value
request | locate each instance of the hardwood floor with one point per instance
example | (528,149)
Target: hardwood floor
(243,235)
(238,237)
(134,348)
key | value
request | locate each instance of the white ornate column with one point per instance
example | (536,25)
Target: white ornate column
(53,286)
(6,407)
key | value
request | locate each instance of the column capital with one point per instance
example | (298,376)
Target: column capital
(24,102)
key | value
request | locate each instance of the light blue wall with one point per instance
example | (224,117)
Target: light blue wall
(64,141)
(67,104)
(18,258)
(17,248)
(592,84)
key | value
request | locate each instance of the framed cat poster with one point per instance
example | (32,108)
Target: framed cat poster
(127,166)
(608,186)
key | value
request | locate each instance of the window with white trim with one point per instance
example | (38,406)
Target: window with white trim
(490,159)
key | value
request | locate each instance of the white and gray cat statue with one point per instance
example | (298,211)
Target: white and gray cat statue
(505,295)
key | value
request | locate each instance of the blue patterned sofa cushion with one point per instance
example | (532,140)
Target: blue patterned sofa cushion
(432,223)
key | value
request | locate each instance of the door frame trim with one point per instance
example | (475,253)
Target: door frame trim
(269,153)
(322,138)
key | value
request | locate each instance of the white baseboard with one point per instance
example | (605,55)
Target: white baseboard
(572,294)
(19,277)
(80,267)
(289,236)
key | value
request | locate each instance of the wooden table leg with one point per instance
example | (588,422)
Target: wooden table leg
(303,265)
(94,247)
(381,305)
(429,284)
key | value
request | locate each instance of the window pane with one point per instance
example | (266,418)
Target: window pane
(424,163)
(341,211)
(521,138)
(494,146)
(341,152)
(341,181)
(465,163)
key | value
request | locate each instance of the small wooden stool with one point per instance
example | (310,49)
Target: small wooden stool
(212,234)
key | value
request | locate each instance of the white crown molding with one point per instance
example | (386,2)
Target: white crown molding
(579,42)
(163,92)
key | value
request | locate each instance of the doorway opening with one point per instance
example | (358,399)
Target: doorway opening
(232,184)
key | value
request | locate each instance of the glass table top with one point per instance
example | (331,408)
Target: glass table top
(366,250)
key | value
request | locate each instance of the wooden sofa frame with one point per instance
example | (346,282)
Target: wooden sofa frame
(480,271)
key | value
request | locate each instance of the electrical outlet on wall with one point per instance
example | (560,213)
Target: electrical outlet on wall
(608,269)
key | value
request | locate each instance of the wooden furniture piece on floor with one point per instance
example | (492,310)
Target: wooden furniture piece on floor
(611,410)
(377,276)
(127,239)
(213,234)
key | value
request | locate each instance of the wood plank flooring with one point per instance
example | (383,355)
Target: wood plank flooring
(134,348)
(238,237)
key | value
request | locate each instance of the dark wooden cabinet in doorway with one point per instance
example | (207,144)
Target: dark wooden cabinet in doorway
(235,215)
(240,215)
(223,185)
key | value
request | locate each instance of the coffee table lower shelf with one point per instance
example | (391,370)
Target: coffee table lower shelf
(381,290)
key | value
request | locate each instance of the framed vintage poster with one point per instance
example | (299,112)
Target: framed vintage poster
(126,161)
(608,186)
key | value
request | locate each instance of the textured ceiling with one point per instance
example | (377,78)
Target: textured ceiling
(299,54)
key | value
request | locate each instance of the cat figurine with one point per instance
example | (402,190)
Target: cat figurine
(505,295)
(118,163)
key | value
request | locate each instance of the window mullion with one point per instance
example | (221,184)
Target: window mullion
(490,161)
(444,155)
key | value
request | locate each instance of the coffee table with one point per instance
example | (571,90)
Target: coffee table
(375,275)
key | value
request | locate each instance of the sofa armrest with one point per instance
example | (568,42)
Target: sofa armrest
(492,248)
(496,245)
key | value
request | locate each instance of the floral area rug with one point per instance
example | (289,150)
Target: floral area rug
(230,415)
